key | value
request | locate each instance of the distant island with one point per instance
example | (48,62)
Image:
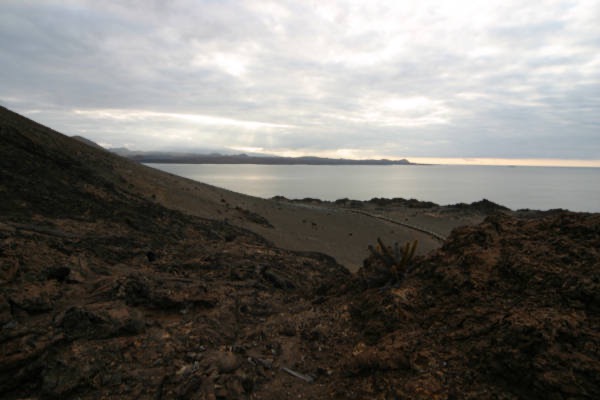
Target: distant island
(218,158)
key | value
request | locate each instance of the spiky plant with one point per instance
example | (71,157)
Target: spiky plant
(396,259)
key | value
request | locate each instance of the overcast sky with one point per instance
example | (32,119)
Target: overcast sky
(498,79)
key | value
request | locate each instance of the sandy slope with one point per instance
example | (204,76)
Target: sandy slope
(336,231)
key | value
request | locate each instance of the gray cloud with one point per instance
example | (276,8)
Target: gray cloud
(501,79)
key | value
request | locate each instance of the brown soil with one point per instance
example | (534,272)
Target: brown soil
(117,281)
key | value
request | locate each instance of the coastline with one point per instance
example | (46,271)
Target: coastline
(324,227)
(516,188)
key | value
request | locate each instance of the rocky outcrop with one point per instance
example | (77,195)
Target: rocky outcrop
(506,309)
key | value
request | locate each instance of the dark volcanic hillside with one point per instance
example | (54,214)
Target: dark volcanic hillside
(104,293)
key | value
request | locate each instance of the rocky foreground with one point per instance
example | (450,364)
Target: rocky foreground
(105,293)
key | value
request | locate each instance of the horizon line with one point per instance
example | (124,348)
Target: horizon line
(508,162)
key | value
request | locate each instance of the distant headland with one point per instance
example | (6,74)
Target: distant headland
(218,158)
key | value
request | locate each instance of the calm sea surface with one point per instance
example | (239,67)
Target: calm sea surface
(542,188)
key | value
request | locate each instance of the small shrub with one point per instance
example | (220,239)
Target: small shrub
(395,259)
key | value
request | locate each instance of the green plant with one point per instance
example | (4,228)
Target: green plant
(396,259)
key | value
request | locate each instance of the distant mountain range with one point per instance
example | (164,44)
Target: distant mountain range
(218,158)
(221,157)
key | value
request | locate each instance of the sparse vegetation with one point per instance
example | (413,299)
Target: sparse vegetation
(396,259)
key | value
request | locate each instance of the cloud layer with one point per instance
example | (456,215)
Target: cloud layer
(353,78)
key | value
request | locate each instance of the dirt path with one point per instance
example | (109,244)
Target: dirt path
(413,227)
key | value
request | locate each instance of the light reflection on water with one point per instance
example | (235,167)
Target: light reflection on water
(577,189)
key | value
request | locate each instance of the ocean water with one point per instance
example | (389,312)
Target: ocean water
(540,188)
